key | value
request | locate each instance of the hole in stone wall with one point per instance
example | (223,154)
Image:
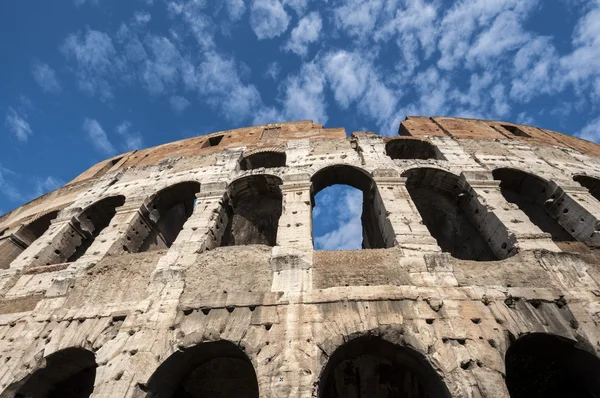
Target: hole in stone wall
(445,208)
(68,373)
(89,224)
(252,211)
(215,369)
(168,210)
(263,159)
(411,149)
(213,141)
(13,246)
(592,184)
(336,218)
(534,197)
(373,215)
(514,130)
(543,365)
(374,368)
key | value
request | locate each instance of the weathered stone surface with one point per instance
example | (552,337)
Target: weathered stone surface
(480,264)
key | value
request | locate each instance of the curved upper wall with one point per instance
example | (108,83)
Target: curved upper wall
(275,136)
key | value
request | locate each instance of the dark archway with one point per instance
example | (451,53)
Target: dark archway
(374,218)
(541,365)
(535,197)
(14,244)
(410,148)
(592,184)
(251,212)
(217,369)
(445,205)
(371,367)
(69,373)
(266,159)
(165,212)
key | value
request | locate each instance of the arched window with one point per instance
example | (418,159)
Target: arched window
(67,373)
(374,368)
(373,216)
(445,205)
(164,214)
(250,214)
(411,148)
(215,369)
(543,365)
(265,158)
(592,184)
(535,197)
(14,244)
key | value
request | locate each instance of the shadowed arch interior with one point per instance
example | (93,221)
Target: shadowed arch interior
(14,244)
(445,206)
(266,159)
(371,367)
(377,231)
(69,373)
(165,213)
(216,369)
(541,365)
(250,214)
(411,149)
(592,184)
(535,197)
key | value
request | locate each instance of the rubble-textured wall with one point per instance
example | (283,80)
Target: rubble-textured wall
(188,269)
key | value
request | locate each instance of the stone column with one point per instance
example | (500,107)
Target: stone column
(578,212)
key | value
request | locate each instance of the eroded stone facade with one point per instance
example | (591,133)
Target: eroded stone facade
(188,269)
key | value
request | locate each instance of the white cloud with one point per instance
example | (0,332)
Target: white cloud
(348,74)
(307,31)
(98,137)
(95,61)
(17,125)
(535,70)
(195,16)
(45,76)
(347,210)
(235,9)
(268,19)
(45,185)
(8,185)
(304,98)
(358,17)
(584,62)
(131,139)
(162,69)
(299,6)
(590,131)
(179,104)
(273,70)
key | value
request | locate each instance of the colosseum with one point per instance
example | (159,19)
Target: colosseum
(188,269)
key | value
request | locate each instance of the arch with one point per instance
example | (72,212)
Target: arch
(444,202)
(377,231)
(14,244)
(67,373)
(165,213)
(265,158)
(411,148)
(213,369)
(536,197)
(591,183)
(251,211)
(549,366)
(369,366)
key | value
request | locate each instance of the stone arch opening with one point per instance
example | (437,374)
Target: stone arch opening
(165,213)
(444,203)
(535,197)
(376,229)
(266,159)
(67,373)
(250,214)
(13,244)
(407,148)
(371,367)
(548,366)
(214,369)
(592,184)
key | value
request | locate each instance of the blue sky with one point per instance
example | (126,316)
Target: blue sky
(82,80)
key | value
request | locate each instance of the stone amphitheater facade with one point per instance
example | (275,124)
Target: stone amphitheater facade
(188,269)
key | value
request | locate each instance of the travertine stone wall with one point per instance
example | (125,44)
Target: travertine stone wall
(119,320)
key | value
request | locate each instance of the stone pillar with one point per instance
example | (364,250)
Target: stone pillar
(578,212)
(504,222)
(10,248)
(292,257)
